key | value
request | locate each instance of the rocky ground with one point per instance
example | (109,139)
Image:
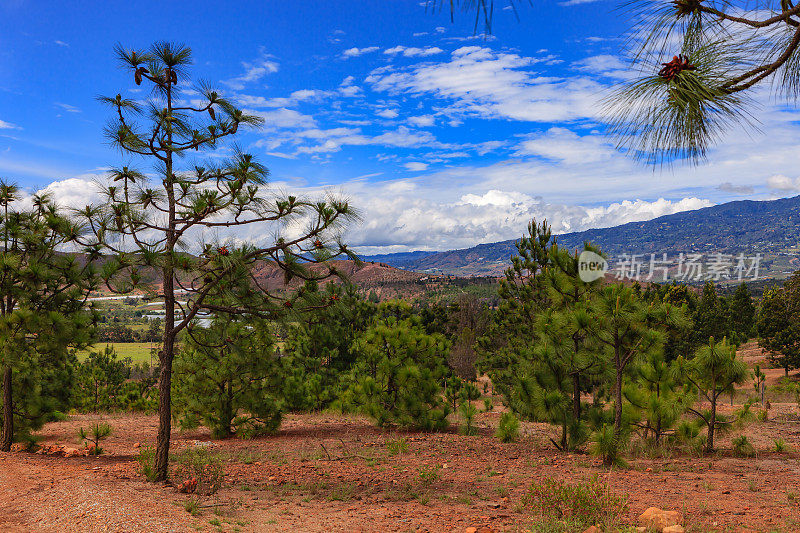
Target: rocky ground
(325,472)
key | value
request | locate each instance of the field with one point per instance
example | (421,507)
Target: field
(139,352)
(328,472)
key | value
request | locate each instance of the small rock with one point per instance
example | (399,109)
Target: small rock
(593,529)
(71,452)
(137,444)
(673,529)
(659,519)
(471,530)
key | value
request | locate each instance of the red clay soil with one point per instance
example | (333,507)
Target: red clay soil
(327,472)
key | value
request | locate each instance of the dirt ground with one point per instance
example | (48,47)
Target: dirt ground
(324,472)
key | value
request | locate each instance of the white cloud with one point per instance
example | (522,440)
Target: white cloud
(355,52)
(563,145)
(387,113)
(285,118)
(779,182)
(334,139)
(8,126)
(68,108)
(488,84)
(413,51)
(605,65)
(422,121)
(416,166)
(75,193)
(398,216)
(295,98)
(576,2)
(254,71)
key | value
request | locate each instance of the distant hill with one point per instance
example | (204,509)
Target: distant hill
(771,228)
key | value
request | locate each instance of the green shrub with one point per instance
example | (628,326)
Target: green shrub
(742,447)
(487,405)
(508,429)
(226,378)
(468,412)
(429,475)
(92,438)
(781,446)
(201,464)
(398,446)
(605,444)
(192,506)
(146,459)
(576,507)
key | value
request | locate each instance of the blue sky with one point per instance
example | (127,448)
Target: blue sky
(442,139)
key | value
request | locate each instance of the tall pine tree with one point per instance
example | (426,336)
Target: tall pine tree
(43,310)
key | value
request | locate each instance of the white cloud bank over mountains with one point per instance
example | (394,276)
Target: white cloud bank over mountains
(396,217)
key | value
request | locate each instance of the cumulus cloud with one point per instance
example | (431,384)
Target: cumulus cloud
(75,193)
(398,218)
(413,51)
(355,52)
(779,182)
(422,120)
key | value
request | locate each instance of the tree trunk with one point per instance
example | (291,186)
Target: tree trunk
(576,397)
(618,405)
(711,426)
(227,415)
(165,381)
(168,349)
(8,412)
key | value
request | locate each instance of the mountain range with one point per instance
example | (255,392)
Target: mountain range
(770,228)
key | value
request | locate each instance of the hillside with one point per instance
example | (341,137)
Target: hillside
(771,228)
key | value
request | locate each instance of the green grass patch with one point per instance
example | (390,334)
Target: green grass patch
(139,352)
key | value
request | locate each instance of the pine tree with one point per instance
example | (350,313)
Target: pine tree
(657,396)
(398,378)
(320,344)
(714,370)
(711,318)
(629,328)
(523,294)
(147,224)
(99,380)
(778,324)
(545,357)
(43,310)
(742,314)
(227,378)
